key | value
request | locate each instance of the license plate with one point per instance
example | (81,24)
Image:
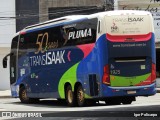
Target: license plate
(131,92)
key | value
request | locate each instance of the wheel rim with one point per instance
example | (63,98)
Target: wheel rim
(80,96)
(70,96)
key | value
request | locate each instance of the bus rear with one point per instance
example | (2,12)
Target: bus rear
(131,54)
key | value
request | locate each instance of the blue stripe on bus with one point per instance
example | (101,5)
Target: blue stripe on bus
(153,48)
(55,25)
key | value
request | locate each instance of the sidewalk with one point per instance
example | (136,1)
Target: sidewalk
(5,93)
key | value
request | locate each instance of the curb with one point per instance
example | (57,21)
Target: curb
(158,90)
(1,97)
(5,94)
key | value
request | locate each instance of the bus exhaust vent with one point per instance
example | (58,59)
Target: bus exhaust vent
(93,85)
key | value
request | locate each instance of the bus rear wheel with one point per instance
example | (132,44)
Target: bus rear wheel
(80,96)
(69,95)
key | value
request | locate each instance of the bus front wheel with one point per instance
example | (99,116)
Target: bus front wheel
(23,95)
(69,95)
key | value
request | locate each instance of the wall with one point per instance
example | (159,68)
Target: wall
(7,30)
(44,5)
(4,72)
(7,25)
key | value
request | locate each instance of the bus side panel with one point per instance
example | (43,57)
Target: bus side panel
(53,57)
(85,43)
(70,75)
(90,69)
(41,73)
(51,77)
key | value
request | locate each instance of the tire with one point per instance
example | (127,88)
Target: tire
(80,98)
(69,96)
(23,95)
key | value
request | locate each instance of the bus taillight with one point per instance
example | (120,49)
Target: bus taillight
(106,78)
(153,74)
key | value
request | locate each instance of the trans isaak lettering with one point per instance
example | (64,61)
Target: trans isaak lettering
(52,57)
(129,19)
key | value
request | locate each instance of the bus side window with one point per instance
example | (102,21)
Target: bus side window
(22,46)
(84,32)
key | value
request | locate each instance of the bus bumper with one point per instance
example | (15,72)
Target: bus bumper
(15,91)
(147,90)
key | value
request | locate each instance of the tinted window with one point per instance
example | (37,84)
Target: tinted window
(76,33)
(83,32)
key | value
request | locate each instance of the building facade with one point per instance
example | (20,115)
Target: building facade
(50,9)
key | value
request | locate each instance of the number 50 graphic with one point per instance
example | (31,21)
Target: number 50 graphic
(40,42)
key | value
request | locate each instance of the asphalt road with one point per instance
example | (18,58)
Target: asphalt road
(143,108)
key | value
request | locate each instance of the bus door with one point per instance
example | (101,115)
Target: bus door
(13,60)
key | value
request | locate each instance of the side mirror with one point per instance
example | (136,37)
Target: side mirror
(5,62)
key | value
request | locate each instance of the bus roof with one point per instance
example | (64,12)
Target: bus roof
(72,18)
(57,20)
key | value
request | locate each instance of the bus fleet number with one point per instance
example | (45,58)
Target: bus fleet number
(115,72)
